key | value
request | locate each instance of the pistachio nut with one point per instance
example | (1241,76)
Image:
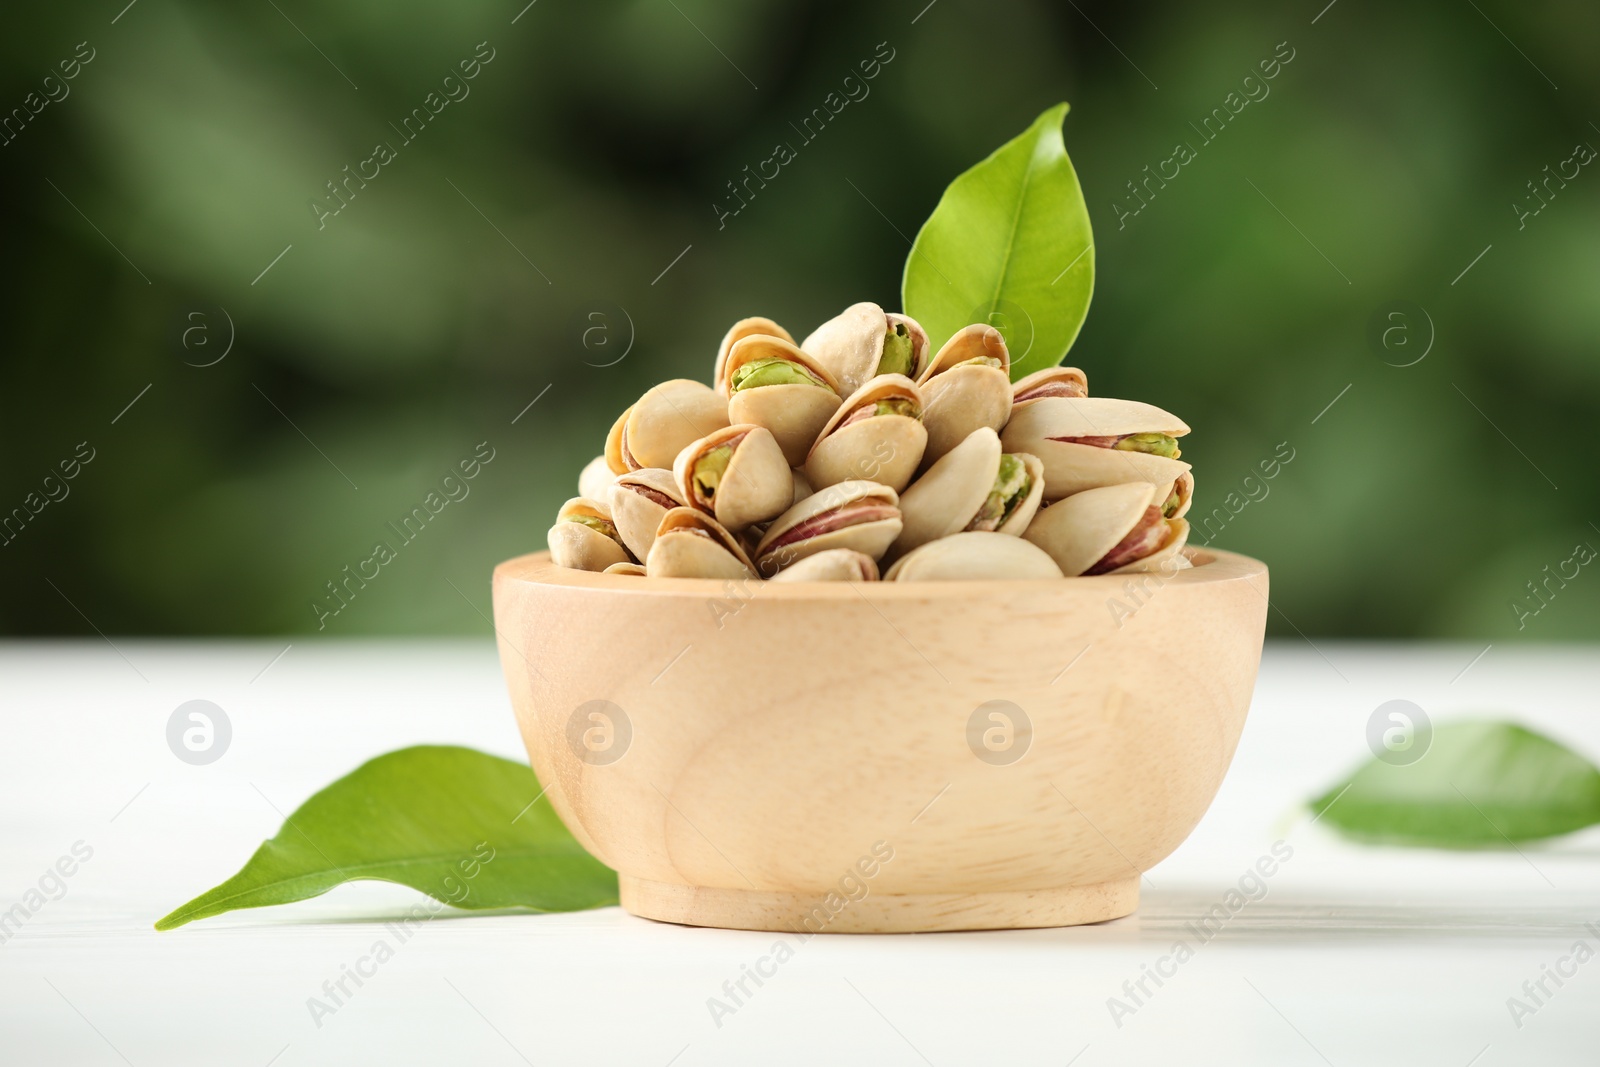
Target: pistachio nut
(596,478)
(1087,442)
(864,341)
(584,537)
(856,514)
(877,434)
(638,500)
(965,386)
(737,475)
(1052,381)
(742,329)
(655,429)
(802,486)
(974,486)
(636,570)
(1175,499)
(973,555)
(771,383)
(1110,529)
(832,565)
(691,544)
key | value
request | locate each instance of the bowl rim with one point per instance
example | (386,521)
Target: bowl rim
(1212,566)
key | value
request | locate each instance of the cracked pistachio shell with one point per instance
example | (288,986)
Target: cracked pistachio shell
(691,544)
(832,565)
(595,479)
(946,499)
(1168,558)
(756,484)
(1070,467)
(851,343)
(655,429)
(974,556)
(580,547)
(1078,532)
(869,516)
(882,448)
(1051,381)
(634,509)
(959,399)
(794,413)
(742,329)
(635,569)
(1184,487)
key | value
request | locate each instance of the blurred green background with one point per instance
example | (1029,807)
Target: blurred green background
(458,285)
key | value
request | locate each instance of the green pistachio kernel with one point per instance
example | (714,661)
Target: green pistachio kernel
(896,358)
(596,523)
(898,406)
(1156,444)
(771,371)
(1012,484)
(708,470)
(1171,504)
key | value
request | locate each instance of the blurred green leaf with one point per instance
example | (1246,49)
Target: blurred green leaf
(1009,244)
(456,824)
(1480,785)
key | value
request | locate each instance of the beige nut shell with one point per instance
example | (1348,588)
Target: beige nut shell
(869,538)
(580,547)
(756,485)
(691,544)
(974,556)
(850,344)
(883,448)
(831,565)
(794,413)
(635,515)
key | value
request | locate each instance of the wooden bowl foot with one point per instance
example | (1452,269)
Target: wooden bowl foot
(877,913)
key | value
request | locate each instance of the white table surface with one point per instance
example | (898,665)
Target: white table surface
(1354,956)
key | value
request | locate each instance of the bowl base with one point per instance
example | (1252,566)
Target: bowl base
(877,913)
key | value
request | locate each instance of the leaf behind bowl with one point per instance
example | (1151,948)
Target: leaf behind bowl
(1008,244)
(1479,785)
(452,822)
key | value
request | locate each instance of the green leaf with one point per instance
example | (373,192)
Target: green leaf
(1008,244)
(456,824)
(1479,785)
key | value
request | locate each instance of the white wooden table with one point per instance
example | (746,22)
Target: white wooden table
(1351,956)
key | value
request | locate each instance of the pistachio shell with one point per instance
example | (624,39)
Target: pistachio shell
(618,458)
(740,329)
(1170,557)
(851,343)
(667,418)
(596,478)
(881,448)
(974,556)
(636,569)
(580,547)
(870,537)
(947,498)
(637,514)
(1078,532)
(795,413)
(756,485)
(1051,381)
(962,398)
(691,544)
(1071,467)
(802,486)
(832,565)
(1184,487)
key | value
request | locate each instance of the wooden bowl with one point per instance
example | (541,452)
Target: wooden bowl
(875,757)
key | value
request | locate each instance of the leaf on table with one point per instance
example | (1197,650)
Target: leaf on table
(1479,785)
(451,822)
(1008,244)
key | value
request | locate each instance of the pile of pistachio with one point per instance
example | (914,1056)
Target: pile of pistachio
(858,449)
